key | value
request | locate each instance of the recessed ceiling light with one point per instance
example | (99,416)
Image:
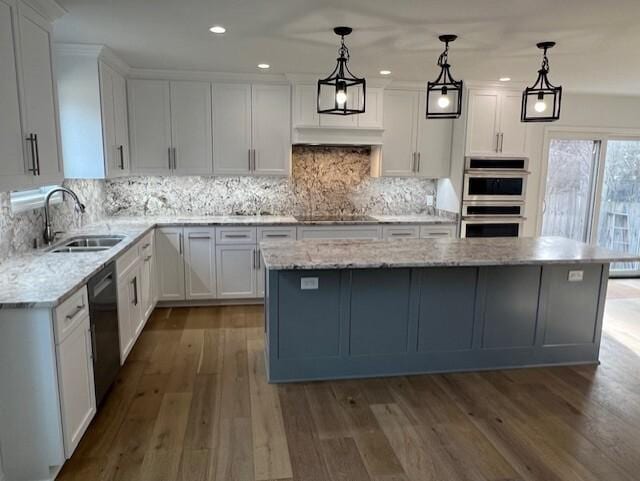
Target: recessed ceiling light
(385,72)
(504,79)
(217,29)
(264,66)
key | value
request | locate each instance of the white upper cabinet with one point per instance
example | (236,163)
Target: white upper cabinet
(39,106)
(93,112)
(414,146)
(251,129)
(305,110)
(434,138)
(399,138)
(170,125)
(232,129)
(150,126)
(493,124)
(271,135)
(191,127)
(12,166)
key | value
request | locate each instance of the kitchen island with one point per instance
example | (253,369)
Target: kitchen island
(361,308)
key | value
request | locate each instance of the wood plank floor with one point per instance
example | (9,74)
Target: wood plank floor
(192,404)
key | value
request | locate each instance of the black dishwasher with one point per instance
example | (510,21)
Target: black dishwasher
(103,309)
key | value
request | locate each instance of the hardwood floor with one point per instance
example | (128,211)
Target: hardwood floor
(192,404)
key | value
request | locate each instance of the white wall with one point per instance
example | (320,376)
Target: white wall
(588,111)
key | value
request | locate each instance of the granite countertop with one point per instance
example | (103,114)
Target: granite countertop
(361,254)
(45,279)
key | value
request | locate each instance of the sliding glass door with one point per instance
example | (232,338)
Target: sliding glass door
(592,193)
(619,219)
(569,200)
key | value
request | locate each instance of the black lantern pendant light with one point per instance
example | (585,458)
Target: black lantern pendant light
(342,93)
(444,96)
(541,101)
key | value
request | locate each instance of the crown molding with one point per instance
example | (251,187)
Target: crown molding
(49,9)
(205,76)
(95,51)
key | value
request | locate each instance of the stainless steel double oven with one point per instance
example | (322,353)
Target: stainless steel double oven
(493,197)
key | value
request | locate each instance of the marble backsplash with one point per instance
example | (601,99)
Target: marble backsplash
(324,180)
(17,231)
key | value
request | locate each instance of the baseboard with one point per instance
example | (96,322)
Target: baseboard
(211,303)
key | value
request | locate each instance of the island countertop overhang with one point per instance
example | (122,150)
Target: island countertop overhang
(376,254)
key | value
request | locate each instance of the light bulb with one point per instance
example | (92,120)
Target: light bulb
(443,101)
(540,106)
(341,97)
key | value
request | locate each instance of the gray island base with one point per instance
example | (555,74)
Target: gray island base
(348,309)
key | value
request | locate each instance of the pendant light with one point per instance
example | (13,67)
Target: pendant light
(342,93)
(541,102)
(444,96)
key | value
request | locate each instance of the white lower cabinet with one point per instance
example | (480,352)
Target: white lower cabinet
(147,277)
(75,384)
(200,263)
(170,264)
(130,320)
(236,271)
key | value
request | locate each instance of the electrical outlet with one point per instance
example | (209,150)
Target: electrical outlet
(576,276)
(430,200)
(308,283)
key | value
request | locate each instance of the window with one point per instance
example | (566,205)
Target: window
(25,200)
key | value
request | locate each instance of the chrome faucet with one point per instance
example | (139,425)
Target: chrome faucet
(49,236)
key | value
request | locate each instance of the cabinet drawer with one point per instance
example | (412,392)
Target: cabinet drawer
(276,233)
(236,235)
(400,232)
(427,231)
(341,232)
(146,245)
(70,313)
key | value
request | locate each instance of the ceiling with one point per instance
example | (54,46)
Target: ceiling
(597,51)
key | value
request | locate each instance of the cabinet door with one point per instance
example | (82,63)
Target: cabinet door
(399,138)
(39,93)
(236,271)
(305,106)
(146,286)
(125,321)
(200,263)
(170,264)
(434,143)
(191,127)
(111,153)
(514,132)
(271,129)
(373,115)
(231,129)
(150,126)
(76,386)
(12,167)
(121,120)
(135,301)
(482,123)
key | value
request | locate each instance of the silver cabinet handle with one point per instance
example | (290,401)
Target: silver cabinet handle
(180,242)
(236,236)
(78,310)
(501,140)
(35,154)
(134,284)
(199,236)
(258,261)
(254,258)
(253,163)
(272,236)
(169,154)
(419,158)
(249,157)
(175,158)
(413,162)
(498,142)
(400,234)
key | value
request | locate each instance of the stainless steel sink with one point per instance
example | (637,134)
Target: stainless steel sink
(88,244)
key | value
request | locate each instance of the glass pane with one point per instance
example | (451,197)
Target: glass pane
(619,225)
(569,194)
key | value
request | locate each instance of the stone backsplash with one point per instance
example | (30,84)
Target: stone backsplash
(324,180)
(17,231)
